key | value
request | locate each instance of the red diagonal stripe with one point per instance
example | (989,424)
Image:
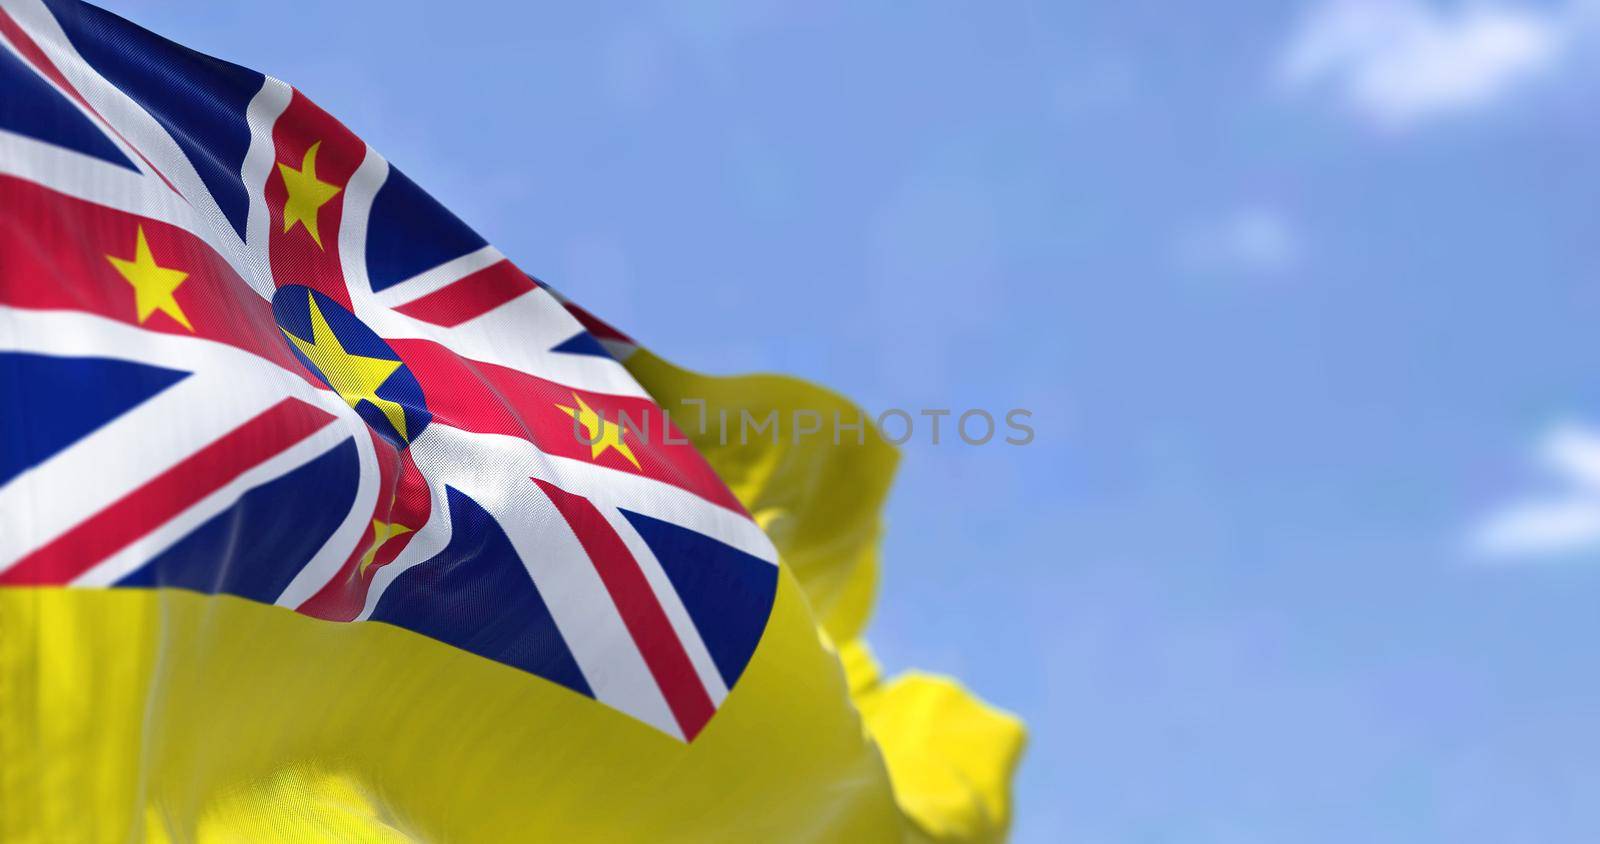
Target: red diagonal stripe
(168,494)
(598,327)
(41,62)
(470,296)
(642,614)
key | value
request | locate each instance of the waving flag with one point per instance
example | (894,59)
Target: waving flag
(322,518)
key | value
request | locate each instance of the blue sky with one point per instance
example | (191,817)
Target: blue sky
(1302,298)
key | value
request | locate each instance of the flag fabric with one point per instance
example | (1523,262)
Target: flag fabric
(322,520)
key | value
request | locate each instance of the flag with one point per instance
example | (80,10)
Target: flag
(320,519)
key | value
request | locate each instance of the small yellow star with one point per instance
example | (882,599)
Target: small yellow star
(153,284)
(601,434)
(307,194)
(356,378)
(382,532)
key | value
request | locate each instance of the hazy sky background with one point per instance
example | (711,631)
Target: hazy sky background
(1302,297)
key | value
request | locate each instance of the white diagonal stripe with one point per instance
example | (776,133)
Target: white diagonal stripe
(578,600)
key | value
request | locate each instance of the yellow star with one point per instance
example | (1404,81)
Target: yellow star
(355,378)
(307,194)
(153,284)
(381,532)
(601,434)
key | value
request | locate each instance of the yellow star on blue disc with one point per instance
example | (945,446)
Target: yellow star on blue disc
(356,378)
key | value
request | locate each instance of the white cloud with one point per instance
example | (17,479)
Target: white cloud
(1256,240)
(1399,62)
(1552,524)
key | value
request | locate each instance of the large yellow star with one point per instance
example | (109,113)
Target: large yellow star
(381,532)
(307,194)
(356,378)
(153,284)
(601,434)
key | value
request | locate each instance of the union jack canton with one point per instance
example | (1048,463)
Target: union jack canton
(241,353)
